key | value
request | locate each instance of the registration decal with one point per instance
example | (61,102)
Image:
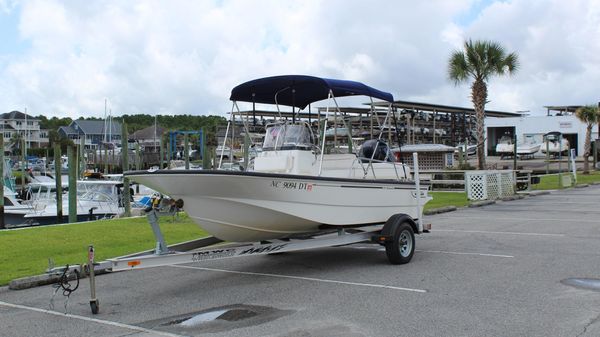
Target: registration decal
(292,185)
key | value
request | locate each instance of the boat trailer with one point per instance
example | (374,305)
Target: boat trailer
(396,235)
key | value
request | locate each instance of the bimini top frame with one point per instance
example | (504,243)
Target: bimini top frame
(300,90)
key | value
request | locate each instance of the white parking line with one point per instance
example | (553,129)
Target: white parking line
(463,253)
(83,318)
(457,216)
(304,278)
(506,233)
(441,252)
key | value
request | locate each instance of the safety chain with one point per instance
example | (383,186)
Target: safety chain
(66,286)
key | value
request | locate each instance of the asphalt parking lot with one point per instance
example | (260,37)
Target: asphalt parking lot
(489,271)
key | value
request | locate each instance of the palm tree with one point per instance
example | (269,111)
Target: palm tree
(16,142)
(479,61)
(589,115)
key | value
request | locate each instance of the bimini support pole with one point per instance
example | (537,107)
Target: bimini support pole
(329,96)
(418,191)
(225,139)
(337,107)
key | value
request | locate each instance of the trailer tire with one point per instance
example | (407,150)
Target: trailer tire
(401,248)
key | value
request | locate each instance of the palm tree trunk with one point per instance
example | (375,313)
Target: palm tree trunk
(587,149)
(479,97)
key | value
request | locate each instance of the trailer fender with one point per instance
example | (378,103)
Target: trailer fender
(389,228)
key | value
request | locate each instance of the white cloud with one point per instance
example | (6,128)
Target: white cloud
(185,56)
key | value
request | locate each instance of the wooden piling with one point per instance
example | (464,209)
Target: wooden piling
(58,181)
(72,183)
(138,157)
(125,164)
(81,164)
(23,164)
(205,154)
(161,155)
(186,151)
(2,225)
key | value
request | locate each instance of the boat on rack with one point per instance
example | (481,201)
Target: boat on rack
(555,144)
(293,186)
(505,146)
(527,150)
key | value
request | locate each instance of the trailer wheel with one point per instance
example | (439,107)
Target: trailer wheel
(401,248)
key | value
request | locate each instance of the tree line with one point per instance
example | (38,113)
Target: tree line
(134,123)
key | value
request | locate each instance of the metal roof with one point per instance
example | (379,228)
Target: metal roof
(95,127)
(446,108)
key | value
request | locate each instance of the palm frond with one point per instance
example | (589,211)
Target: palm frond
(458,67)
(589,114)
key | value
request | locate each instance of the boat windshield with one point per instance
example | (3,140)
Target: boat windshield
(287,137)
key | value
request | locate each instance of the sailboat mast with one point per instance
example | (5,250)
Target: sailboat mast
(110,125)
(105,131)
(26,135)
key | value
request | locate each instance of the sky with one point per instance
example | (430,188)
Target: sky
(67,58)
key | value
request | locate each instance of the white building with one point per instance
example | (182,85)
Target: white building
(28,127)
(534,127)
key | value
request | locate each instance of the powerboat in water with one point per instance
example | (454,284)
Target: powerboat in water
(293,186)
(95,200)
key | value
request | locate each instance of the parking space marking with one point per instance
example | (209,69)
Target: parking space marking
(442,252)
(371,285)
(456,216)
(464,253)
(506,233)
(95,320)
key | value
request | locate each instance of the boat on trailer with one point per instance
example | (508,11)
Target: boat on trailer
(294,187)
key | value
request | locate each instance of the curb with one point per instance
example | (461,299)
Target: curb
(46,279)
(512,197)
(582,185)
(440,210)
(482,203)
(536,193)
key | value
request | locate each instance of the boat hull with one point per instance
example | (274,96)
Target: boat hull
(250,206)
(528,149)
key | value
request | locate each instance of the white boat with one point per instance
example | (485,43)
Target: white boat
(554,143)
(95,200)
(467,149)
(528,149)
(294,188)
(505,147)
(64,164)
(224,151)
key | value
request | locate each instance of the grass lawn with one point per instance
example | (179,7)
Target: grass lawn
(441,199)
(550,182)
(25,252)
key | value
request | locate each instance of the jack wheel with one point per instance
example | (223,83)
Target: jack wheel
(95,306)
